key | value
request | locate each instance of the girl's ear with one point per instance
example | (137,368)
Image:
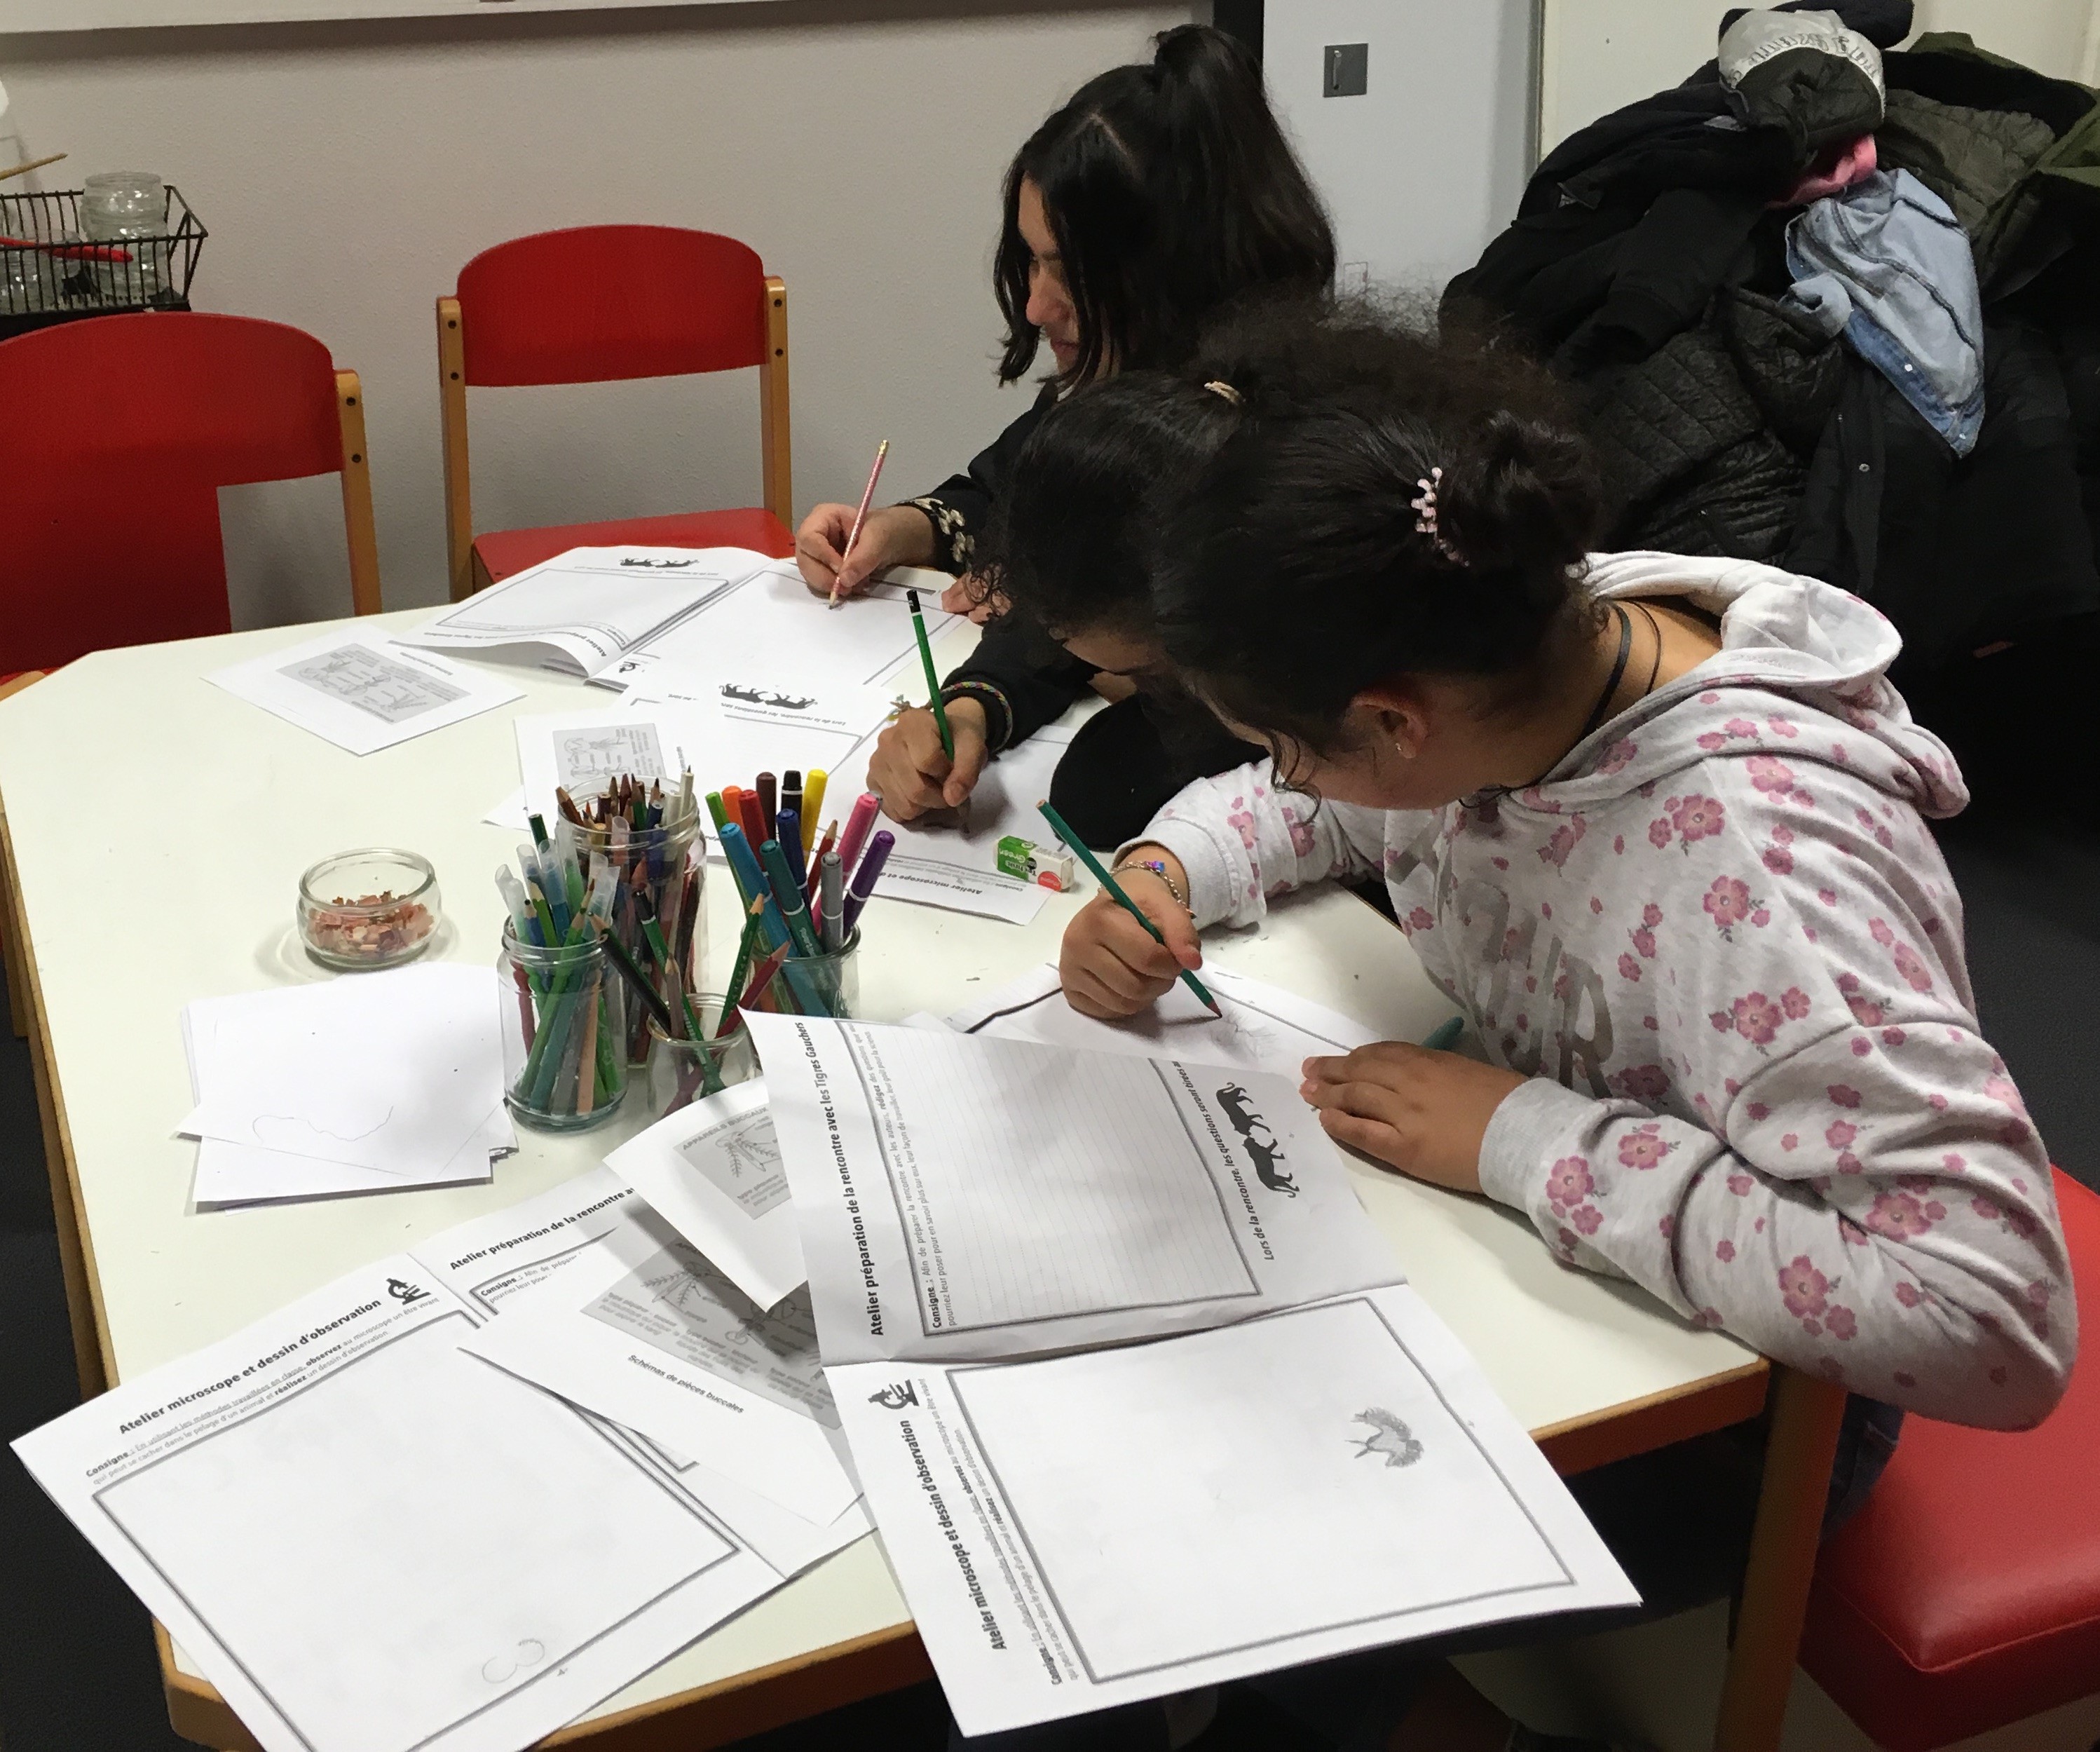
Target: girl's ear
(1398,716)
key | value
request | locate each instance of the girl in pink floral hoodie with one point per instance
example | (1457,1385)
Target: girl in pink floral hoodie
(1654,823)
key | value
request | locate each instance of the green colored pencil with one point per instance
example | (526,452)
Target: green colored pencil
(932,681)
(1115,889)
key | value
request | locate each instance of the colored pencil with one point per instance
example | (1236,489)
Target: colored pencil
(1115,888)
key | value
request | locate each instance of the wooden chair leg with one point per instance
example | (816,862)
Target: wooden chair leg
(1806,1414)
(18,983)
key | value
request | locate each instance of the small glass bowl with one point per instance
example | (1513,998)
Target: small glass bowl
(373,908)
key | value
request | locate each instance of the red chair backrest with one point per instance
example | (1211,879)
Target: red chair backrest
(115,434)
(603,301)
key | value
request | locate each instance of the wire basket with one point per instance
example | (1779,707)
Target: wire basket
(50,270)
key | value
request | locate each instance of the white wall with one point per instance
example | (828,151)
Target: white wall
(1427,166)
(1600,55)
(346,170)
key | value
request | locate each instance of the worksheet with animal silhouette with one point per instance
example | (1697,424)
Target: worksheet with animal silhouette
(963,1197)
(1263,1028)
(1091,1529)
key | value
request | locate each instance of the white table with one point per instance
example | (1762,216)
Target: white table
(122,915)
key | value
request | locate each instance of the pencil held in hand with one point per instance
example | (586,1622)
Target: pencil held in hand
(933,680)
(1114,889)
(860,517)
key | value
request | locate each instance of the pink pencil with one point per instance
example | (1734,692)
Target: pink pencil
(860,517)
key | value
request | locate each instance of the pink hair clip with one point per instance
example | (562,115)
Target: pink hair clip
(1424,506)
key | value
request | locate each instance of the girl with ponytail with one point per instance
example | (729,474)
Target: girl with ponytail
(1158,196)
(1655,825)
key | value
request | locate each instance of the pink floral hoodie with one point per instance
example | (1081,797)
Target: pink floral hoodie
(1721,941)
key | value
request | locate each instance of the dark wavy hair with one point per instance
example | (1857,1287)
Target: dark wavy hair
(1170,192)
(1289,576)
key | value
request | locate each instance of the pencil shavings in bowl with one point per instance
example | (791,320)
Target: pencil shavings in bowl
(372,908)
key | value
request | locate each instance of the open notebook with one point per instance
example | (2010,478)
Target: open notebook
(1139,1398)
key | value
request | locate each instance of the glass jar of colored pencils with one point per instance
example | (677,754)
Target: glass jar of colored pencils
(681,1070)
(818,984)
(563,1016)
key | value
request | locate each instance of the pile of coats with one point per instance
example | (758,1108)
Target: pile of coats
(1837,307)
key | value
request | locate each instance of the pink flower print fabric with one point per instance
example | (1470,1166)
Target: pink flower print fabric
(1728,963)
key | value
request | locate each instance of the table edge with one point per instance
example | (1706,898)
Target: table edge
(817,1680)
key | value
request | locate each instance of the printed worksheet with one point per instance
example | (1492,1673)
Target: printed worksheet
(674,1350)
(362,692)
(1264,1028)
(713,1171)
(339,1491)
(964,1198)
(759,634)
(1090,1530)
(583,611)
(579,752)
(602,1303)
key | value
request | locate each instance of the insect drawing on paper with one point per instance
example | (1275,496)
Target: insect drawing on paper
(1389,1437)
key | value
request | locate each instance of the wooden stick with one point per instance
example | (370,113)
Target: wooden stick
(34,164)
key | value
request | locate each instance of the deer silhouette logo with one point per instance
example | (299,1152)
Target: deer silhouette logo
(1261,1145)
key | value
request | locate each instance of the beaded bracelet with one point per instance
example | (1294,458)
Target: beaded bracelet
(1157,866)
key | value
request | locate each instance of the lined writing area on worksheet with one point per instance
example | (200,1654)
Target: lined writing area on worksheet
(1012,1219)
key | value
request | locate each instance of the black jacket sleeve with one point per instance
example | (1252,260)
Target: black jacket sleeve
(961,505)
(1021,677)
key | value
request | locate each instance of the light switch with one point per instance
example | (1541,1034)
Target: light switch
(1348,69)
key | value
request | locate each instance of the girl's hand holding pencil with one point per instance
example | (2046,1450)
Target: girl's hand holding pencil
(914,774)
(1109,964)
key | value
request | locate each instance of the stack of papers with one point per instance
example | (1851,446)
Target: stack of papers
(340,1492)
(369,1083)
(583,611)
(1140,1400)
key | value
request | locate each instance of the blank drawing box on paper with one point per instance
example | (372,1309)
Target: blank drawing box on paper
(1230,1428)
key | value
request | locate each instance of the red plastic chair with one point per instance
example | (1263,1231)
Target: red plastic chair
(595,304)
(117,435)
(1965,1596)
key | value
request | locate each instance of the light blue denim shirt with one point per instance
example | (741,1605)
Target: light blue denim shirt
(1886,262)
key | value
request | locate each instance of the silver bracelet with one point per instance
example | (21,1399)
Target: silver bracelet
(1157,866)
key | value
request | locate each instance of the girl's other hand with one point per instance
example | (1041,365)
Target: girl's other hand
(1421,1112)
(1108,965)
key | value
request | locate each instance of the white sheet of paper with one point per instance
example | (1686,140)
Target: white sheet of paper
(229,1175)
(963,1198)
(673,1350)
(571,1242)
(1263,1028)
(768,631)
(392,1071)
(583,610)
(1092,1529)
(579,751)
(713,1171)
(363,692)
(338,1490)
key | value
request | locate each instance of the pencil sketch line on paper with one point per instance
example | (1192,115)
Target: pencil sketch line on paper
(1390,1436)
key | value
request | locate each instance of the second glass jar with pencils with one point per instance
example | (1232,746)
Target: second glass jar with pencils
(681,1070)
(563,1016)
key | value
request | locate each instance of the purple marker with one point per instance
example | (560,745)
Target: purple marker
(867,876)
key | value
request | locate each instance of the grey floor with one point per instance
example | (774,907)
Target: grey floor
(77,1667)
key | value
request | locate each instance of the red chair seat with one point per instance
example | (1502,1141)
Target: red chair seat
(1966,1594)
(504,552)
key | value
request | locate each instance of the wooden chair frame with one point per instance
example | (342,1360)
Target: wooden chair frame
(776,448)
(358,523)
(18,981)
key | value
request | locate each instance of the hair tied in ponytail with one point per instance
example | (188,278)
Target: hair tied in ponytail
(1424,507)
(1218,387)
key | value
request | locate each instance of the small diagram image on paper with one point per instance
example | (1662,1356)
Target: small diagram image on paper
(679,1304)
(1354,1464)
(740,1157)
(360,677)
(587,757)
